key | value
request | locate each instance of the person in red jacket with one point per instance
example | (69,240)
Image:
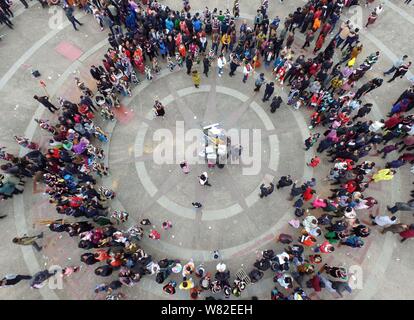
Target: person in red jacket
(314,69)
(325,247)
(371,19)
(393,121)
(308,194)
(408,157)
(326,28)
(319,43)
(350,186)
(316,283)
(314,162)
(407,234)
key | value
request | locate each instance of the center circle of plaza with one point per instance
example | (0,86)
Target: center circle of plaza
(232,205)
(233,219)
(191,110)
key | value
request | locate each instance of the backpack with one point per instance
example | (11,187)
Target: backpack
(35,73)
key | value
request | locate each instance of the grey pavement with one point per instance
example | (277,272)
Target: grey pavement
(233,219)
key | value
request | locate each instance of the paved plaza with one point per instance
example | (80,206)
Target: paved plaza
(233,219)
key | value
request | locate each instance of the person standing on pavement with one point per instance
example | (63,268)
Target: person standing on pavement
(284,181)
(402,206)
(401,71)
(196,78)
(112,12)
(343,34)
(309,38)
(371,19)
(363,111)
(189,64)
(5,6)
(396,65)
(4,19)
(234,64)
(319,43)
(247,70)
(26,6)
(388,149)
(203,179)
(44,100)
(71,17)
(39,278)
(29,241)
(368,87)
(221,63)
(206,65)
(383,221)
(259,82)
(276,102)
(265,191)
(13,279)
(407,234)
(270,88)
(395,228)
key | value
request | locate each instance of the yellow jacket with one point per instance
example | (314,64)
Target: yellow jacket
(225,39)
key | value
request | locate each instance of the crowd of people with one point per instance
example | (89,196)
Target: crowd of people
(145,37)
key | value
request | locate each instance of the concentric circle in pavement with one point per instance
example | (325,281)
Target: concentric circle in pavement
(233,216)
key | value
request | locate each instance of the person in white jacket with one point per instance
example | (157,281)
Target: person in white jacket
(221,62)
(247,69)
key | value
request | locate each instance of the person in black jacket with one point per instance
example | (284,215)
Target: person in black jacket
(368,87)
(400,72)
(71,17)
(270,88)
(4,19)
(363,111)
(284,181)
(41,277)
(95,72)
(11,280)
(265,191)
(189,64)
(276,102)
(296,191)
(44,100)
(206,65)
(104,271)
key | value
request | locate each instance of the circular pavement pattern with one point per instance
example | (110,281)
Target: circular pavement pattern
(244,225)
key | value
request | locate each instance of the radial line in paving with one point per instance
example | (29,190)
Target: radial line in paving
(190,119)
(18,201)
(211,114)
(235,116)
(16,66)
(399,11)
(253,197)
